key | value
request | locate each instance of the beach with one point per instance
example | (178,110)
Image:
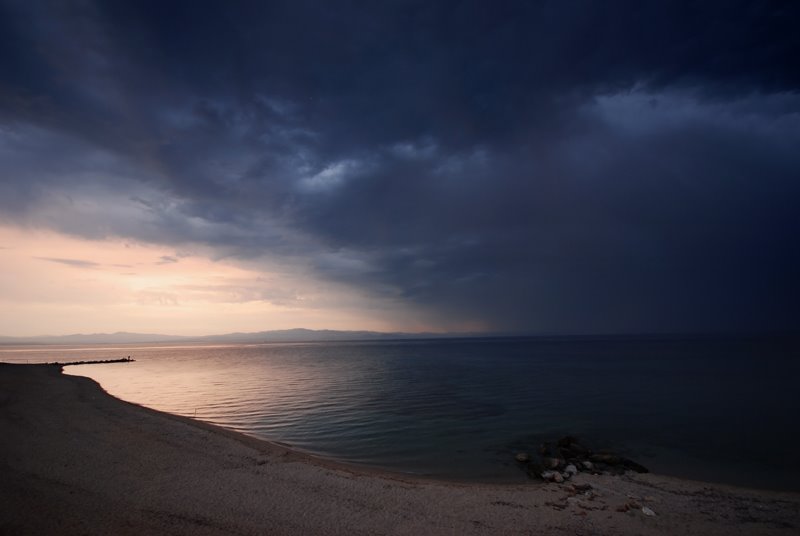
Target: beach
(75,460)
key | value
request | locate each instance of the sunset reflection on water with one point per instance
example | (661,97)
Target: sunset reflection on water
(229,386)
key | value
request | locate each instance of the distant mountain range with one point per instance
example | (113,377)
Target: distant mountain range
(313,335)
(283,335)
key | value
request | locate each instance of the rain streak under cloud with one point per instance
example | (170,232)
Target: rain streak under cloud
(537,167)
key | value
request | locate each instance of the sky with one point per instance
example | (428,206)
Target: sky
(538,167)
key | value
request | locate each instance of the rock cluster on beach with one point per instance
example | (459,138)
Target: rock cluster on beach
(560,461)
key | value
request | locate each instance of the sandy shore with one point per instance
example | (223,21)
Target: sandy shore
(74,460)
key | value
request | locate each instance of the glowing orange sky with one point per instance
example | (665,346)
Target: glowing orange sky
(55,284)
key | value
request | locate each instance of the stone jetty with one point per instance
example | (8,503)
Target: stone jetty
(94,362)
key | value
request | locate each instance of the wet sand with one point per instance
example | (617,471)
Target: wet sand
(75,460)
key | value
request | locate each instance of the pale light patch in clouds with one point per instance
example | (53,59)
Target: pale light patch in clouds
(638,112)
(331,176)
(422,150)
(55,284)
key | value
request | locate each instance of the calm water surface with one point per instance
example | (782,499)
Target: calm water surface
(719,410)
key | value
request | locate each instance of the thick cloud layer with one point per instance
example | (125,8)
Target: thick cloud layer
(530,166)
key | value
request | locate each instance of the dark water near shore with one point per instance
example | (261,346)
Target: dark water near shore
(707,409)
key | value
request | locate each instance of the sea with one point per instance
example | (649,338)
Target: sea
(719,409)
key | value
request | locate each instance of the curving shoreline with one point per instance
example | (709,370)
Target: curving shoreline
(76,460)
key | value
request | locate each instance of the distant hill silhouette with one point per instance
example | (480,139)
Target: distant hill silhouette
(283,335)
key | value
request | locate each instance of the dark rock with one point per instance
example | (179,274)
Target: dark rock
(552,476)
(551,463)
(566,441)
(522,457)
(609,459)
(578,449)
(633,466)
(630,505)
(548,450)
(571,447)
(534,470)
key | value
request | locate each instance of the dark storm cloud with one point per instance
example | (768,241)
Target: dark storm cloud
(534,166)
